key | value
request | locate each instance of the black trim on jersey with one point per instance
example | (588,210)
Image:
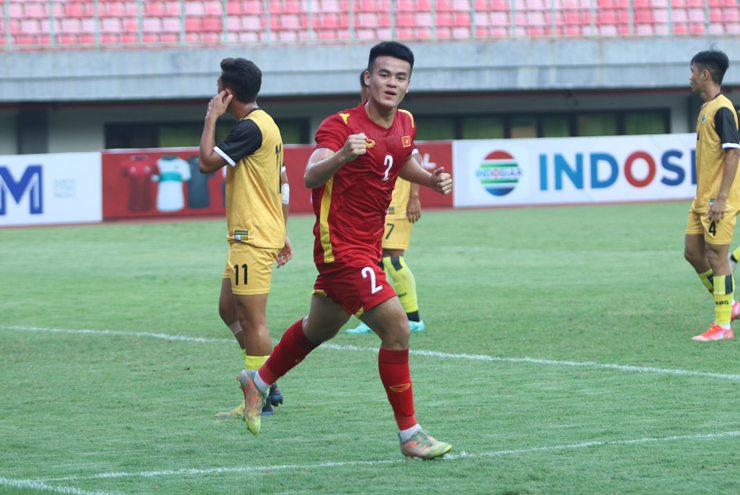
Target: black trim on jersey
(245,138)
(725,126)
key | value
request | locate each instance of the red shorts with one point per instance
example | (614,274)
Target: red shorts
(357,287)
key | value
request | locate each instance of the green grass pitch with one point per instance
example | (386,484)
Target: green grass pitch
(557,360)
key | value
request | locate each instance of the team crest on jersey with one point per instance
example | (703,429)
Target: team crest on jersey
(703,118)
(406,141)
(370,143)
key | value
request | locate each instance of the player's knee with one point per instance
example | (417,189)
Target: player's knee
(226,312)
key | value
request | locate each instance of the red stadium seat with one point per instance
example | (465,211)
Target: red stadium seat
(195,24)
(154,9)
(643,16)
(234,8)
(212,24)
(461,20)
(214,8)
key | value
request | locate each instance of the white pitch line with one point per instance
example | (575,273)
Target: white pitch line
(462,455)
(37,485)
(443,355)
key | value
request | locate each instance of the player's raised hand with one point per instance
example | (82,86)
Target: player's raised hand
(218,104)
(355,146)
(440,181)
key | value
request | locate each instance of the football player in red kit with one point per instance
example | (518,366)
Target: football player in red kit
(359,154)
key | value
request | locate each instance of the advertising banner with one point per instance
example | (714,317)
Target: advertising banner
(50,189)
(434,155)
(574,170)
(159,183)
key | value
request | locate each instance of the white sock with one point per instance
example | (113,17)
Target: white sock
(404,435)
(260,383)
(726,326)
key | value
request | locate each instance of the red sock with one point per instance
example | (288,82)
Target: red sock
(293,347)
(396,378)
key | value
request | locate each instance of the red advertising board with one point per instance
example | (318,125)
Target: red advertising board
(159,183)
(166,182)
(435,154)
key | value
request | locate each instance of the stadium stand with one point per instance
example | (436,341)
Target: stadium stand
(79,23)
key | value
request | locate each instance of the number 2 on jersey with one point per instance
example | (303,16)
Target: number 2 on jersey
(389,164)
(367,271)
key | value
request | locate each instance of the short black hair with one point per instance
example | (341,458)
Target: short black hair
(362,78)
(391,49)
(713,60)
(242,77)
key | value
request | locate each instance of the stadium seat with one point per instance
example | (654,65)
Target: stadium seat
(253,7)
(423,20)
(696,15)
(154,9)
(212,24)
(171,25)
(252,23)
(35,10)
(214,8)
(195,8)
(731,15)
(111,25)
(151,25)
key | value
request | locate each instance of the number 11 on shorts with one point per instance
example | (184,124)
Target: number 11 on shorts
(367,271)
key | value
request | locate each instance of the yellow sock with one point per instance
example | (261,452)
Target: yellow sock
(736,254)
(724,289)
(706,279)
(403,282)
(253,362)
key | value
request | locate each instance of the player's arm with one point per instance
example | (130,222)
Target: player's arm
(719,206)
(208,159)
(438,180)
(324,163)
(413,207)
(727,130)
(287,252)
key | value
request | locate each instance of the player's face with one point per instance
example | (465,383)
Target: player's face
(696,79)
(389,81)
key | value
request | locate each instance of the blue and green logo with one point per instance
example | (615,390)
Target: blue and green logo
(499,173)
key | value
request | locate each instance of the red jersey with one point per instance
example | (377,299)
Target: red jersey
(139,170)
(351,207)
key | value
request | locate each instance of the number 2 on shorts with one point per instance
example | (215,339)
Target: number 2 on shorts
(369,271)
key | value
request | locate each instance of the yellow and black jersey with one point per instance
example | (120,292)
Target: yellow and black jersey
(716,132)
(254,151)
